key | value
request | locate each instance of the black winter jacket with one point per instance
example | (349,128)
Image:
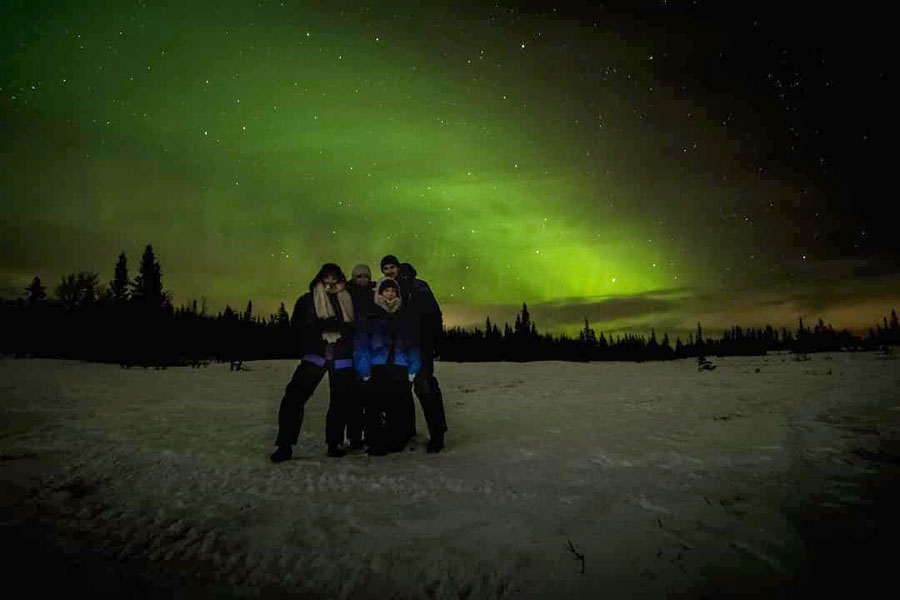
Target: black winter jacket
(308,328)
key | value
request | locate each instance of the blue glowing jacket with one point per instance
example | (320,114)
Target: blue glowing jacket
(382,338)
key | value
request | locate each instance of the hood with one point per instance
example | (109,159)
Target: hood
(325,268)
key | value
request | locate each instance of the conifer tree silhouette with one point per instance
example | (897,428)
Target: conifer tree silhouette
(147,288)
(77,290)
(284,319)
(118,287)
(35,293)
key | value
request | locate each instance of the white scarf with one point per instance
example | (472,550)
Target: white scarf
(390,306)
(324,309)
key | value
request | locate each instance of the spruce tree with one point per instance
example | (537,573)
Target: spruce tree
(35,293)
(118,287)
(147,286)
(248,314)
(283,318)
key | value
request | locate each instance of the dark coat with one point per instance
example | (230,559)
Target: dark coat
(363,297)
(309,328)
(420,300)
(383,338)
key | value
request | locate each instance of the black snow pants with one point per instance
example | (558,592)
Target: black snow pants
(430,397)
(356,412)
(342,384)
(386,419)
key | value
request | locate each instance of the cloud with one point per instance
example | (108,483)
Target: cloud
(830,290)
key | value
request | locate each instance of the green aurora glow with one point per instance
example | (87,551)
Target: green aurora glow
(250,144)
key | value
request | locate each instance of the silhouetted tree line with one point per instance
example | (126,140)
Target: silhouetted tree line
(133,322)
(522,342)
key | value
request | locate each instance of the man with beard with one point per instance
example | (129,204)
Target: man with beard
(426,311)
(323,322)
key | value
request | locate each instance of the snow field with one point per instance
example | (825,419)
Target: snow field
(666,479)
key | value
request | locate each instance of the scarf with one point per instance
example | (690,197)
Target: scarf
(390,306)
(324,309)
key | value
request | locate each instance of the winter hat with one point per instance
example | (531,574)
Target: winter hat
(390,259)
(327,268)
(331,269)
(385,283)
(359,270)
(390,306)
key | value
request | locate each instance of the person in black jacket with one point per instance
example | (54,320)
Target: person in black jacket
(422,303)
(323,322)
(362,291)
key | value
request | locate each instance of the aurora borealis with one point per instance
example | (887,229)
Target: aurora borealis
(656,165)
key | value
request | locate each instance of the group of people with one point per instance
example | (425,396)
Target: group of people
(377,342)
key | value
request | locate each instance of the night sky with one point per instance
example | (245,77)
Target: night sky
(641,164)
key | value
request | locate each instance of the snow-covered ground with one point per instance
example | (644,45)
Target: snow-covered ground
(764,476)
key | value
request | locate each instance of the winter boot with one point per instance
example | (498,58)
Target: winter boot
(336,451)
(435,444)
(282,454)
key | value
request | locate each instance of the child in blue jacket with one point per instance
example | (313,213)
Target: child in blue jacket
(386,356)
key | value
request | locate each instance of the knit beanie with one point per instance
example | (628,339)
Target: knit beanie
(390,259)
(359,270)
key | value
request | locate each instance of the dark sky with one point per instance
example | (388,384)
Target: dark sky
(641,164)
